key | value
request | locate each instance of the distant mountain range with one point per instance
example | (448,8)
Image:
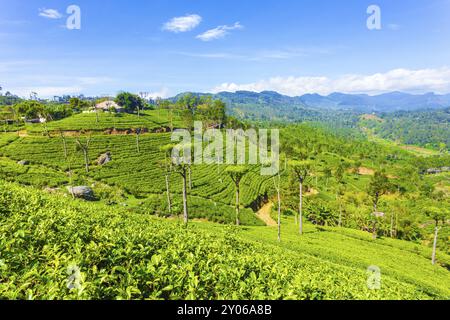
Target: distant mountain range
(360,103)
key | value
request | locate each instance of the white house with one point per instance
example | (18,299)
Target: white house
(107,105)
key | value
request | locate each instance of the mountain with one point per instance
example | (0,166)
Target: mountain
(360,103)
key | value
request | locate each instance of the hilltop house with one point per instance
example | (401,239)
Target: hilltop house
(108,105)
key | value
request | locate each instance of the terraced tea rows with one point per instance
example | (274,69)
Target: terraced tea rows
(123,255)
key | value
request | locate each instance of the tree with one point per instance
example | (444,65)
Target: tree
(63,138)
(138,132)
(167,167)
(182,167)
(328,174)
(84,147)
(301,169)
(438,215)
(339,176)
(130,102)
(30,109)
(378,186)
(236,174)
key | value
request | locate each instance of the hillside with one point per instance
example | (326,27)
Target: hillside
(426,128)
(124,255)
(126,241)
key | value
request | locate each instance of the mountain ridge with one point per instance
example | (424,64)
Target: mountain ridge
(361,103)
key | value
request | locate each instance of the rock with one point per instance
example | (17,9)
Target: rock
(82,192)
(104,159)
(23,162)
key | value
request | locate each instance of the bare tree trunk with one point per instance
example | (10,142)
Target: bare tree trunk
(300,212)
(237,205)
(185,207)
(396,225)
(433,256)
(86,159)
(169,202)
(279,213)
(374,231)
(392,225)
(190,181)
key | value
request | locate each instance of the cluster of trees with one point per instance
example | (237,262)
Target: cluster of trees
(30,109)
(202,108)
(427,128)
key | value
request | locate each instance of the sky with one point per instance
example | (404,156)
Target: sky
(165,47)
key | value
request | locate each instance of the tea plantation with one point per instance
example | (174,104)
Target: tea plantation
(125,255)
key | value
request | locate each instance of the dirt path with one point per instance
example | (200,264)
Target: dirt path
(264,214)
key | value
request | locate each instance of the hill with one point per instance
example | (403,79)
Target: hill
(426,128)
(359,103)
(127,243)
(124,255)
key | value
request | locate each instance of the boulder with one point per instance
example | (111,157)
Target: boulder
(23,162)
(82,192)
(104,159)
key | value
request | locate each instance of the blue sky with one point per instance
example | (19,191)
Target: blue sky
(293,47)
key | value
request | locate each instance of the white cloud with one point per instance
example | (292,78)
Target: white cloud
(262,55)
(182,24)
(218,32)
(415,81)
(50,13)
(163,93)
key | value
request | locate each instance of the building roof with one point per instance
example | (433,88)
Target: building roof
(106,105)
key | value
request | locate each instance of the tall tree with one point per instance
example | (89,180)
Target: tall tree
(84,147)
(63,138)
(301,169)
(236,174)
(379,185)
(138,133)
(182,166)
(339,176)
(167,167)
(439,216)
(277,185)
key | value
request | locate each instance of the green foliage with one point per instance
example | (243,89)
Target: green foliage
(130,102)
(123,255)
(30,109)
(427,128)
